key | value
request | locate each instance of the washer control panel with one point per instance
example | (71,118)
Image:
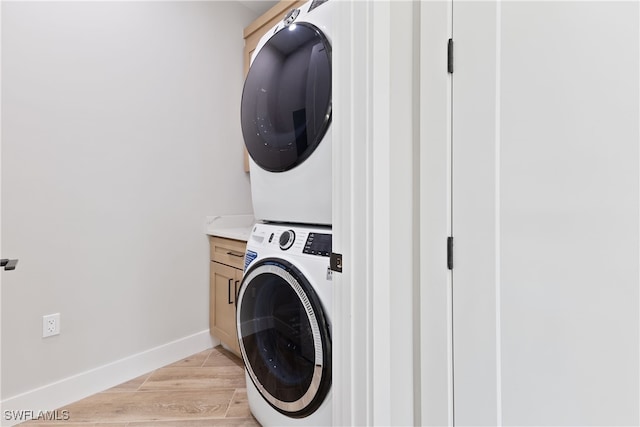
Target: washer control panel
(318,244)
(294,240)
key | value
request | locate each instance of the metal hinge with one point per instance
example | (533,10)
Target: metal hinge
(450,56)
(8,264)
(335,262)
(450,253)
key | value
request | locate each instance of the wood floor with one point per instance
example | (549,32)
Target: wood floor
(206,389)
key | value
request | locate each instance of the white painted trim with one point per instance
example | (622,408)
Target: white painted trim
(497,212)
(352,212)
(381,216)
(76,387)
(374,210)
(639,217)
(436,329)
(1,6)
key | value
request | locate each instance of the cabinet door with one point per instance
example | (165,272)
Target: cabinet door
(224,283)
(546,208)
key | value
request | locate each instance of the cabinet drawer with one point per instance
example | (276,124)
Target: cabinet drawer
(228,251)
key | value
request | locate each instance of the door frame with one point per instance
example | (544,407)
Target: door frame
(391,213)
(1,395)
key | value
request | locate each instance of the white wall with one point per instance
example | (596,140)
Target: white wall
(120,134)
(546,207)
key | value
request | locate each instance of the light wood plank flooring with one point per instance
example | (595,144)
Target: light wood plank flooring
(206,389)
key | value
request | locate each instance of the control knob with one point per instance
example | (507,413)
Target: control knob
(286,239)
(290,17)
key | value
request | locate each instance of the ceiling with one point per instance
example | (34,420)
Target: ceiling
(259,6)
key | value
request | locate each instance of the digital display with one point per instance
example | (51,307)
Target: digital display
(318,244)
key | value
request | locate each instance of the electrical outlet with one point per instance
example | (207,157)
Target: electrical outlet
(50,325)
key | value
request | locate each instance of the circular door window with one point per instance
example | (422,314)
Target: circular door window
(286,101)
(284,338)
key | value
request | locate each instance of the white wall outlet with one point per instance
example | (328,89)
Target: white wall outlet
(50,325)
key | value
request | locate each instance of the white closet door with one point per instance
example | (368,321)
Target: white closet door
(546,172)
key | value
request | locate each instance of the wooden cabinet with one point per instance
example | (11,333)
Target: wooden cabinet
(226,268)
(254,32)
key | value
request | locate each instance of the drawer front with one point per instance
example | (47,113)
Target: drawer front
(228,251)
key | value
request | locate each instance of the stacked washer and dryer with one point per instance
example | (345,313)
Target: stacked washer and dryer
(285,300)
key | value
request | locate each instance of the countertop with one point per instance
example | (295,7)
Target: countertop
(236,227)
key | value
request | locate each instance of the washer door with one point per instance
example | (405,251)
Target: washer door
(286,101)
(284,337)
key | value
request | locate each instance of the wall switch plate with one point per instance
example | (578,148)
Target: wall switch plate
(50,325)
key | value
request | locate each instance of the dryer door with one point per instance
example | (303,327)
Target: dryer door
(286,101)
(284,337)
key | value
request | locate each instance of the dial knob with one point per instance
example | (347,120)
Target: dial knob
(291,16)
(286,239)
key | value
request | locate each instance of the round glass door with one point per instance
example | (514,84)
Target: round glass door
(286,101)
(284,338)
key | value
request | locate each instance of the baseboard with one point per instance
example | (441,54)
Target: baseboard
(79,386)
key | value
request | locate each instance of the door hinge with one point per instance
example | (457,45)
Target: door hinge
(450,253)
(450,56)
(8,264)
(335,262)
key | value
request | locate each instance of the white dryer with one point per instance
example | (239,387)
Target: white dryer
(286,117)
(284,327)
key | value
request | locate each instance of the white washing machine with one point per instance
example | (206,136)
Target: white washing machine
(286,117)
(284,327)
